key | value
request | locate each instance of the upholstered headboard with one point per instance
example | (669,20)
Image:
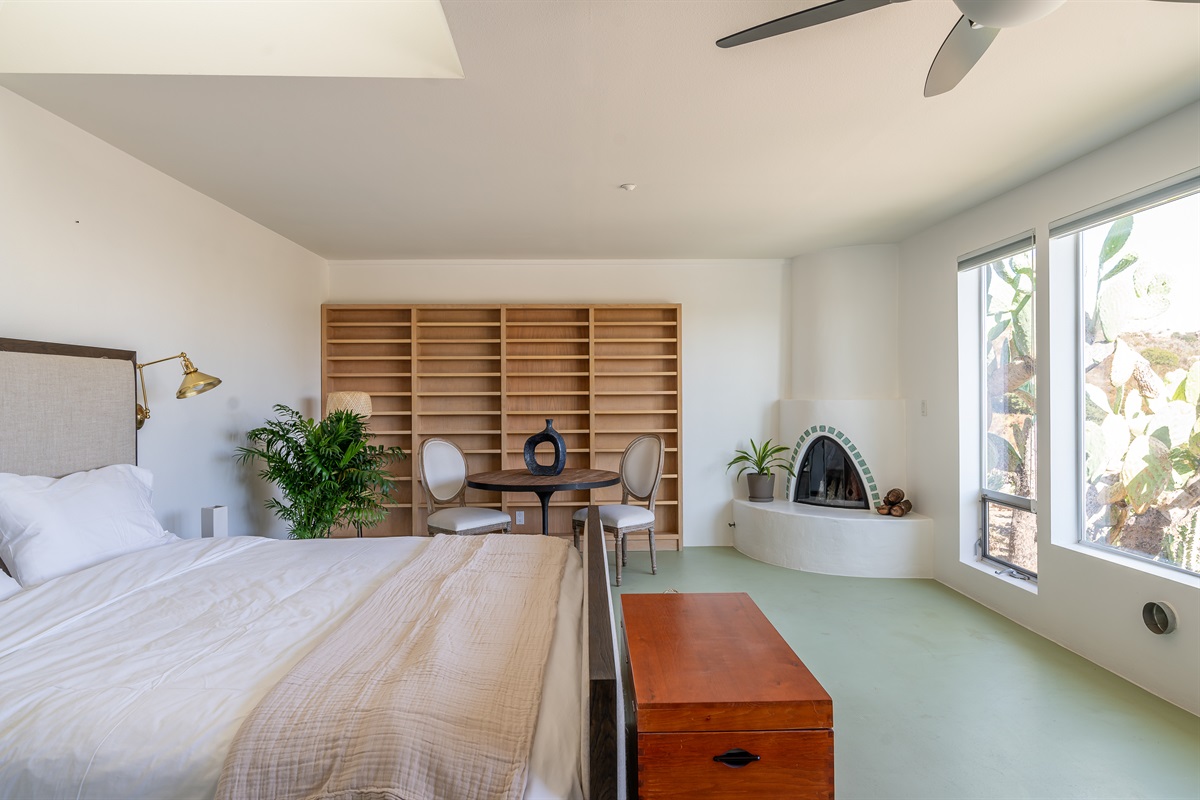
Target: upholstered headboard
(65,408)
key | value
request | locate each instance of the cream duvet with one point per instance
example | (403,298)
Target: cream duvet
(131,678)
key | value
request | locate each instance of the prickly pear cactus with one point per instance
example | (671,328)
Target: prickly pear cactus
(1141,429)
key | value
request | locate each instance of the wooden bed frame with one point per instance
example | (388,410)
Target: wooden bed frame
(605,762)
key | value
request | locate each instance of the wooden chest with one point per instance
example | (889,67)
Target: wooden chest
(724,708)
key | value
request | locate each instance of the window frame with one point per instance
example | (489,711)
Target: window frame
(982,260)
(1070,229)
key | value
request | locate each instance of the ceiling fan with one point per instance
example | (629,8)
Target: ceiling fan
(981,22)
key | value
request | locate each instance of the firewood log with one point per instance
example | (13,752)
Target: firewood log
(898,510)
(883,508)
(906,505)
(893,496)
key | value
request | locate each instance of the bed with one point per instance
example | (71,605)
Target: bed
(248,667)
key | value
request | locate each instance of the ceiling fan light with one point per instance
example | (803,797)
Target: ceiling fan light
(1006,13)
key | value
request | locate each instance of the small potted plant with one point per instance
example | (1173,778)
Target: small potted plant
(326,470)
(759,461)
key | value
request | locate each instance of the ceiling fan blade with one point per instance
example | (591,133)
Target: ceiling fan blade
(803,19)
(962,49)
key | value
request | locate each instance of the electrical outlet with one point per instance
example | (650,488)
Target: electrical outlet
(520,517)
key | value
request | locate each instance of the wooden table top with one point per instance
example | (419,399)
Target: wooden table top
(715,662)
(521,480)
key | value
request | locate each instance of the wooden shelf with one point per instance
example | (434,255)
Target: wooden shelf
(369,341)
(337,375)
(460,394)
(457,341)
(455,374)
(380,324)
(509,367)
(633,394)
(458,413)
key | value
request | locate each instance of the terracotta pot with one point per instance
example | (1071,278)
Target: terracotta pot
(762,487)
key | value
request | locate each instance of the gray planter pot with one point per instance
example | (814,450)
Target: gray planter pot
(762,487)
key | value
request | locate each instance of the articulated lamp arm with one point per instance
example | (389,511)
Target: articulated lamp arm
(194,382)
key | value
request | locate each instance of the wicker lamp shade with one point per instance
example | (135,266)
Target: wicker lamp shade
(356,402)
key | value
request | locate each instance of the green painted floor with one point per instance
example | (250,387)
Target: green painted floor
(936,697)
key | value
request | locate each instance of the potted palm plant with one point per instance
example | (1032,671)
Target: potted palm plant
(760,461)
(328,473)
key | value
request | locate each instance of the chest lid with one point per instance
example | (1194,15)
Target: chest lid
(713,662)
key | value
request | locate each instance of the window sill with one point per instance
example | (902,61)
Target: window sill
(1134,563)
(991,570)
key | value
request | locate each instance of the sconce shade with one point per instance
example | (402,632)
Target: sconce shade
(196,382)
(356,402)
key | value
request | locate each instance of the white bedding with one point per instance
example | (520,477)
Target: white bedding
(129,679)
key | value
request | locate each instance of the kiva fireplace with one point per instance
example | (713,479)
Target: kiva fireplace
(826,520)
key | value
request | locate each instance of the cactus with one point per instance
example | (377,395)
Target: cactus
(1142,434)
(1010,373)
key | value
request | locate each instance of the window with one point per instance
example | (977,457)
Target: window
(1008,425)
(1138,269)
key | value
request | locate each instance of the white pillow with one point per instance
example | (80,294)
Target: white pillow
(52,526)
(8,586)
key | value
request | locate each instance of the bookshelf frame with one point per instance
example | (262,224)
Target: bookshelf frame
(488,376)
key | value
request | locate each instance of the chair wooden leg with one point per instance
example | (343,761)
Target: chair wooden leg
(625,550)
(617,552)
(653,561)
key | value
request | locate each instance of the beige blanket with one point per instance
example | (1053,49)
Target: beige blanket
(430,689)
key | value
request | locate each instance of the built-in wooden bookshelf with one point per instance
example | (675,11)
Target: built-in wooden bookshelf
(488,377)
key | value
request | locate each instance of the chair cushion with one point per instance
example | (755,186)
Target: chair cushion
(468,518)
(619,516)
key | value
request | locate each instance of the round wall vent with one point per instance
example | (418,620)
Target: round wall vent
(1159,617)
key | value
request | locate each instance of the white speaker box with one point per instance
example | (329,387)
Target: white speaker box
(214,522)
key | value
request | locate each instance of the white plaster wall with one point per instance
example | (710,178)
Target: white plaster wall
(1088,603)
(97,248)
(845,304)
(733,355)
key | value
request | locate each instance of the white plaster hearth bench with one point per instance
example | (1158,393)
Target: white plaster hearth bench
(834,541)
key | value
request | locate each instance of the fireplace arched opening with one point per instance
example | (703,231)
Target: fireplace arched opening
(827,476)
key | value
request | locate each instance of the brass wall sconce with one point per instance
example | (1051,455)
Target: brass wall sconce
(194,382)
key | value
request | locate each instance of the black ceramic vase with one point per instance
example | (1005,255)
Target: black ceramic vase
(560,451)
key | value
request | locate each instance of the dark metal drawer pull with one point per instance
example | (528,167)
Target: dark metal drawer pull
(737,758)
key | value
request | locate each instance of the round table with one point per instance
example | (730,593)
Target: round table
(521,480)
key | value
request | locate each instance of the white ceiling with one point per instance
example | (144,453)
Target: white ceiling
(813,139)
